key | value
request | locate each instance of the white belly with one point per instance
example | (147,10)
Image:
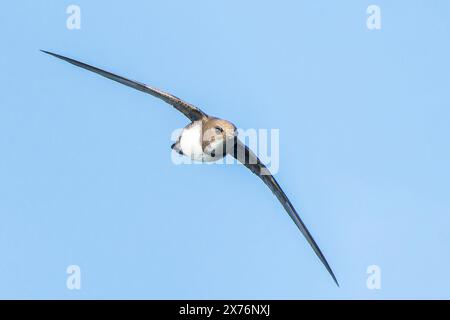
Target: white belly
(191,141)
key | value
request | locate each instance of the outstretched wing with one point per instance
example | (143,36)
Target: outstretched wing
(189,110)
(244,155)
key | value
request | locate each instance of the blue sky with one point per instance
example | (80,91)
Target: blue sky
(86,176)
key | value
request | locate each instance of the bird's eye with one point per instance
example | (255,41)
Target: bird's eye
(218,130)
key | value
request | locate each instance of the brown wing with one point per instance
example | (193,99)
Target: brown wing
(190,111)
(242,153)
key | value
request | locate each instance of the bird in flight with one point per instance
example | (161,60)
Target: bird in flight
(207,138)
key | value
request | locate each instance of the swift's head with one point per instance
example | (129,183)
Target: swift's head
(220,129)
(218,136)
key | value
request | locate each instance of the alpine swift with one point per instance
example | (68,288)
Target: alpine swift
(209,138)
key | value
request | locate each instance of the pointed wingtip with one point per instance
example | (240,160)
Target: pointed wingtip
(335,281)
(327,266)
(48,52)
(332,274)
(74,62)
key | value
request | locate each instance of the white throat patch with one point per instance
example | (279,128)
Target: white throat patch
(191,141)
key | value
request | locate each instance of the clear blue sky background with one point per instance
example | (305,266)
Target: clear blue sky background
(86,176)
